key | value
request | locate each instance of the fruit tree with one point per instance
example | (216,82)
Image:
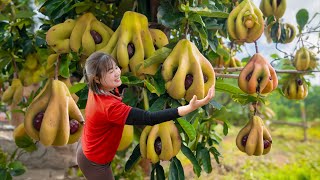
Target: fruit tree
(168,51)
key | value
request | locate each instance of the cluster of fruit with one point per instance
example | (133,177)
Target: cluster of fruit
(305,59)
(53,118)
(14,93)
(86,32)
(258,76)
(32,71)
(280,32)
(133,42)
(187,72)
(160,142)
(274,8)
(254,138)
(245,22)
(295,87)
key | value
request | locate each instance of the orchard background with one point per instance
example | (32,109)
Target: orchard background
(208,134)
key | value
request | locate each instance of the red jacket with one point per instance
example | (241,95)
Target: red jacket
(105,117)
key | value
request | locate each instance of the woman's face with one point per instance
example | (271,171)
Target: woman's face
(111,79)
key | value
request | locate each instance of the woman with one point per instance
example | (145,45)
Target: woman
(106,116)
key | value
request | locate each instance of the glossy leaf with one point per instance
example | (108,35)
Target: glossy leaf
(16,168)
(204,11)
(188,128)
(302,18)
(188,153)
(157,57)
(133,159)
(176,170)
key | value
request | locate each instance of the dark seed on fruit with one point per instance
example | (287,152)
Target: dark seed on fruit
(74,126)
(299,81)
(158,145)
(96,36)
(205,78)
(188,81)
(258,89)
(37,121)
(248,77)
(244,140)
(131,50)
(266,143)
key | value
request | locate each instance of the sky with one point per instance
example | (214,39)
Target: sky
(293,6)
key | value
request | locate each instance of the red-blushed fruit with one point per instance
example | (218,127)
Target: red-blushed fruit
(96,36)
(131,50)
(158,145)
(188,81)
(244,140)
(74,126)
(37,120)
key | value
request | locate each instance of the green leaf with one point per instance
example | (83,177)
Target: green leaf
(64,67)
(215,104)
(129,79)
(204,157)
(188,128)
(193,17)
(54,9)
(25,142)
(157,57)
(16,168)
(133,159)
(215,153)
(159,172)
(225,129)
(176,170)
(159,104)
(302,18)
(168,15)
(229,88)
(203,35)
(5,59)
(24,14)
(4,175)
(77,87)
(223,52)
(204,11)
(188,153)
(130,96)
(151,87)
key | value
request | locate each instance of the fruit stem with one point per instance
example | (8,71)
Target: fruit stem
(145,99)
(256,46)
(15,67)
(56,71)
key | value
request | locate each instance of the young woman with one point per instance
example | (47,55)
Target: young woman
(106,115)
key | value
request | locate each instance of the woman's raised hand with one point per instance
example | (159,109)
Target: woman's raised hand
(195,103)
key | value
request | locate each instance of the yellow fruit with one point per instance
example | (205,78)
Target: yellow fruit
(127,138)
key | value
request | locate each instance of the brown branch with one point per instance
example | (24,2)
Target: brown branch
(277,71)
(233,76)
(256,46)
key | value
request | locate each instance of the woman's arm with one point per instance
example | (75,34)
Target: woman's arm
(141,117)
